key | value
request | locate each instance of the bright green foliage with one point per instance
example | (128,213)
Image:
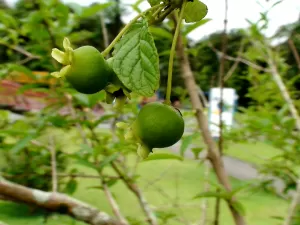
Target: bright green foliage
(136,60)
(154,2)
(195,11)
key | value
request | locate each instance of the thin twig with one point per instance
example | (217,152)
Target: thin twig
(235,64)
(294,204)
(113,204)
(213,153)
(242,60)
(132,186)
(104,33)
(20,50)
(53,163)
(78,125)
(158,178)
(61,175)
(151,218)
(283,89)
(294,51)
(204,205)
(221,86)
(29,56)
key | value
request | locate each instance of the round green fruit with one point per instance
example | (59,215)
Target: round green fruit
(89,72)
(85,68)
(158,125)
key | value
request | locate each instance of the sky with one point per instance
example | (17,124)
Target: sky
(238,11)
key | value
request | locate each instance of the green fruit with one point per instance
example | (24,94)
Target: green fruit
(89,71)
(158,125)
(85,68)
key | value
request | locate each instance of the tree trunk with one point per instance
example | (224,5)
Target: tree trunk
(213,153)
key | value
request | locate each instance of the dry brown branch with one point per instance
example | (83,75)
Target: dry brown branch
(55,202)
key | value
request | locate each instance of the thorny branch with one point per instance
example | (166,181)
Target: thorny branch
(213,153)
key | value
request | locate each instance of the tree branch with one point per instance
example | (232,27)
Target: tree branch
(204,204)
(283,90)
(55,202)
(213,153)
(235,64)
(239,59)
(114,204)
(151,218)
(53,163)
(294,51)
(292,209)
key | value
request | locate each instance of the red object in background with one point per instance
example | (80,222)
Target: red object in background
(29,100)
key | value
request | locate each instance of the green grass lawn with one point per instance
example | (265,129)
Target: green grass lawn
(165,183)
(178,182)
(256,153)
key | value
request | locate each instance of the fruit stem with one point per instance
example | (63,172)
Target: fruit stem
(172,53)
(123,31)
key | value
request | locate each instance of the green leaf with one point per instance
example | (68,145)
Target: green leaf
(71,186)
(112,182)
(195,11)
(238,207)
(84,162)
(238,189)
(95,187)
(108,160)
(154,2)
(58,121)
(186,141)
(82,99)
(75,7)
(136,60)
(86,149)
(94,9)
(103,118)
(7,19)
(160,33)
(135,6)
(89,100)
(96,98)
(197,151)
(189,28)
(22,143)
(211,194)
(159,156)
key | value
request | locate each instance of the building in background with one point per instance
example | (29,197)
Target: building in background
(229,106)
